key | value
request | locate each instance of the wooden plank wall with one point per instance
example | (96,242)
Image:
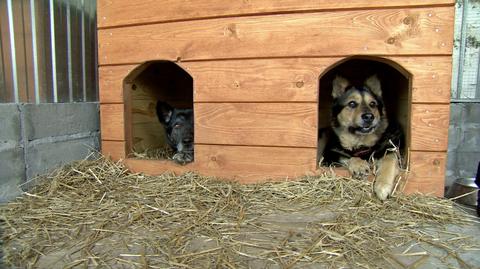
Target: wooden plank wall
(256,68)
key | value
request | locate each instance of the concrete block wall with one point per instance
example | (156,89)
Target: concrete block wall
(36,138)
(463,141)
(12,166)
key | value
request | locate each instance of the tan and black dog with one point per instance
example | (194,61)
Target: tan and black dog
(360,129)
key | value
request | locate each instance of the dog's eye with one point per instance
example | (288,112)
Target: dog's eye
(352,104)
(373,104)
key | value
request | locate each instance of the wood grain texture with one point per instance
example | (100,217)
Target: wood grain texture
(148,136)
(431,77)
(251,164)
(363,32)
(244,164)
(429,127)
(114,149)
(280,80)
(428,164)
(158,167)
(147,132)
(427,173)
(258,164)
(143,110)
(124,12)
(426,185)
(258,80)
(265,124)
(110,81)
(112,122)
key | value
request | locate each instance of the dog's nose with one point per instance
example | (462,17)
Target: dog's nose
(367,117)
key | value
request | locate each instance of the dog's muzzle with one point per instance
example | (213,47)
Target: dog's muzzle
(186,145)
(368,118)
(362,130)
(365,130)
(367,125)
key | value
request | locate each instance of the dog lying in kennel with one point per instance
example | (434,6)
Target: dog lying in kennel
(178,125)
(360,131)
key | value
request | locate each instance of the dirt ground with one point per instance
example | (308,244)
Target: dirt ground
(293,227)
(98,215)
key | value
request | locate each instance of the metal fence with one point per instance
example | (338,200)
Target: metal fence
(466,52)
(48,51)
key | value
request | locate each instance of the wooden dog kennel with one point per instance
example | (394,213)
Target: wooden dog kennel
(253,71)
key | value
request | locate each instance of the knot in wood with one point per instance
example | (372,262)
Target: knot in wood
(408,20)
(299,84)
(436,162)
(213,159)
(391,40)
(231,30)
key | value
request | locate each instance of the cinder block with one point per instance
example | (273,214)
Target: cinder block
(50,120)
(467,163)
(46,156)
(454,135)
(10,121)
(12,172)
(472,112)
(451,172)
(464,141)
(456,112)
(471,140)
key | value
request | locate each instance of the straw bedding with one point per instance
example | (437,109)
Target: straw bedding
(97,214)
(154,153)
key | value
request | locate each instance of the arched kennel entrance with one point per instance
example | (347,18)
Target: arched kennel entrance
(148,83)
(396,84)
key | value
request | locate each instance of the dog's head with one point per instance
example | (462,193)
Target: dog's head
(178,125)
(358,108)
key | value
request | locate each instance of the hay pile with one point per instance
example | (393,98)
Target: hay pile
(95,213)
(153,153)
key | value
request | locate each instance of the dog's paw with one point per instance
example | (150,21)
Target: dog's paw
(188,157)
(382,190)
(387,172)
(358,168)
(178,157)
(182,157)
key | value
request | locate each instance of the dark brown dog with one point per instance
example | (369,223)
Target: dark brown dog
(361,130)
(178,124)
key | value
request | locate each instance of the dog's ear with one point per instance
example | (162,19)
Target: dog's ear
(373,83)
(339,85)
(164,112)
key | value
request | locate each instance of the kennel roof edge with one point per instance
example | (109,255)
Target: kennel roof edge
(418,31)
(133,12)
